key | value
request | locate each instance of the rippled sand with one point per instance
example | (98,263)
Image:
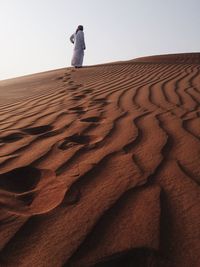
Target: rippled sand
(100,166)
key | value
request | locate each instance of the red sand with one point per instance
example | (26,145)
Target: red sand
(100,166)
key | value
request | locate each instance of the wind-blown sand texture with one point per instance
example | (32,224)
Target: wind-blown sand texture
(100,166)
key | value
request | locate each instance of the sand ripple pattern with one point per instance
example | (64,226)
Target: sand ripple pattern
(100,166)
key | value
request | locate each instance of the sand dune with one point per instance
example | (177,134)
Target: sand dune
(100,166)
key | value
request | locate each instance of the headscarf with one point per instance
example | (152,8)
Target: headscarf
(79,28)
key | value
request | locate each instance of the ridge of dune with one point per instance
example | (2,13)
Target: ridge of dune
(193,58)
(100,166)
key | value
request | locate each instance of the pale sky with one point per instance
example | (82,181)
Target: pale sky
(34,34)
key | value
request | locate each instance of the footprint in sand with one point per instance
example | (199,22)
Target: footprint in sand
(72,197)
(70,82)
(99,101)
(78,97)
(59,78)
(77,109)
(11,138)
(37,130)
(65,80)
(87,91)
(91,119)
(29,190)
(76,139)
(20,180)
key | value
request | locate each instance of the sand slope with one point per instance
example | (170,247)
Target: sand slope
(100,166)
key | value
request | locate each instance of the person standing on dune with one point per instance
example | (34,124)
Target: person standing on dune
(79,46)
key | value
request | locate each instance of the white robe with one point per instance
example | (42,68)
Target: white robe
(79,46)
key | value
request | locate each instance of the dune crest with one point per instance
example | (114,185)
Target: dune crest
(100,166)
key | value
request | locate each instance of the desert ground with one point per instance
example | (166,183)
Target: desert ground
(100,166)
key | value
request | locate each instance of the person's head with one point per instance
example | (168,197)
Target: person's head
(79,28)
